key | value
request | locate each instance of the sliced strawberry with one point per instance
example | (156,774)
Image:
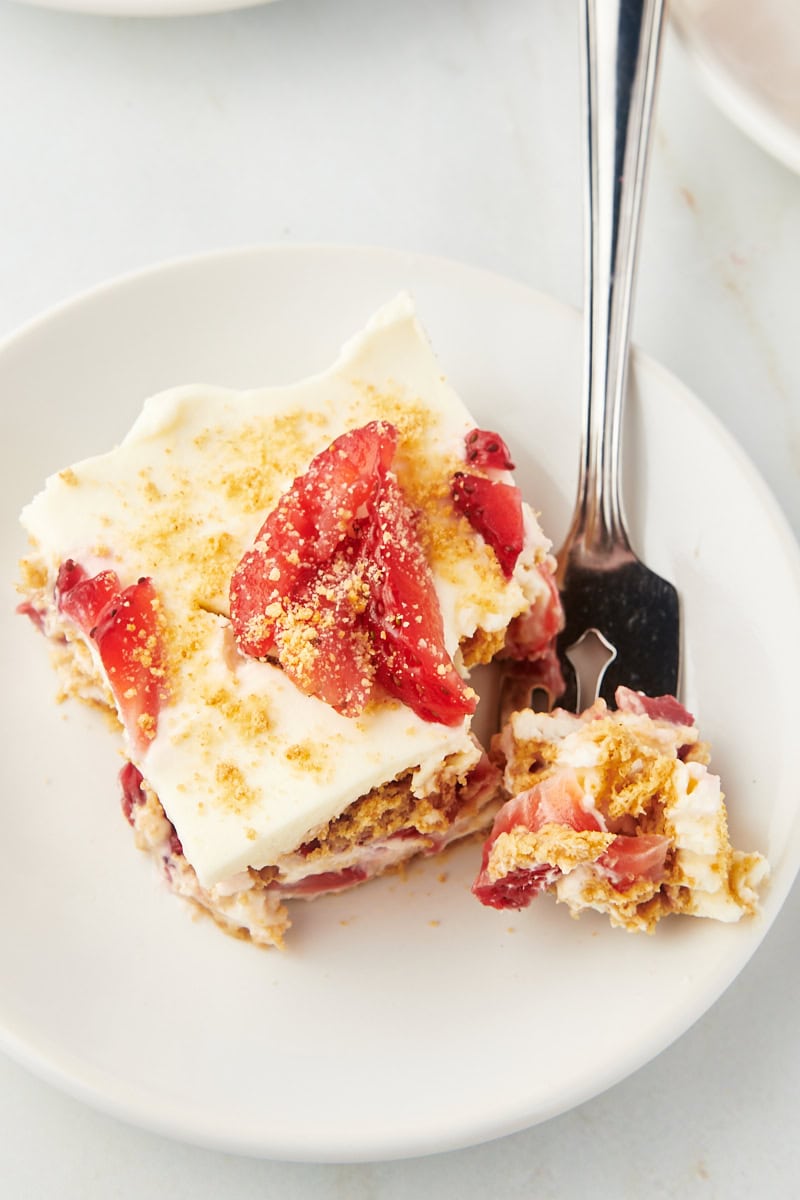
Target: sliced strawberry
(130,780)
(345,477)
(658,708)
(555,800)
(305,529)
(628,859)
(530,641)
(338,588)
(69,573)
(322,639)
(515,890)
(487,449)
(126,625)
(325,881)
(85,601)
(413,663)
(494,510)
(129,642)
(532,632)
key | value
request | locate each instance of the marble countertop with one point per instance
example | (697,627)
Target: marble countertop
(451,128)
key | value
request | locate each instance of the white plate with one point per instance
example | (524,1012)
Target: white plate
(403,1018)
(748,55)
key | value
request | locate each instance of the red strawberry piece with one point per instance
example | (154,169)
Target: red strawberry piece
(556,800)
(128,638)
(629,858)
(337,586)
(413,663)
(487,449)
(344,478)
(322,639)
(531,634)
(126,625)
(130,779)
(85,600)
(325,881)
(658,708)
(515,890)
(310,522)
(494,510)
(69,573)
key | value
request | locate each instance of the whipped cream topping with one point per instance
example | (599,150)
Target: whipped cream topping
(244,764)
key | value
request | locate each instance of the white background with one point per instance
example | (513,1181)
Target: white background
(450,127)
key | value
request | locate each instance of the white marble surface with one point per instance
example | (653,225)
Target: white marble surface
(449,127)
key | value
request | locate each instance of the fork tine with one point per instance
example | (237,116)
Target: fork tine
(637,614)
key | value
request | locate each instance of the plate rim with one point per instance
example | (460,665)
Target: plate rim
(147,9)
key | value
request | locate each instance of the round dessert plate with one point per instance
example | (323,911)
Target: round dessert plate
(403,1018)
(748,56)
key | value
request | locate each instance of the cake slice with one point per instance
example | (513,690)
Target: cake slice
(280,594)
(614,810)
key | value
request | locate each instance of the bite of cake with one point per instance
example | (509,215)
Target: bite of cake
(617,811)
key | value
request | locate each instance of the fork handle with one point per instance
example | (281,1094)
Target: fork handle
(621,45)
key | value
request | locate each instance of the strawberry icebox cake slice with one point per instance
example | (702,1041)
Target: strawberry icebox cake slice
(280,593)
(615,810)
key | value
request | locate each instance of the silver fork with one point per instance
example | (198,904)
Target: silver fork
(622,620)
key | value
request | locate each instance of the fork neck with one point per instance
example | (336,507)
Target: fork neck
(620,44)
